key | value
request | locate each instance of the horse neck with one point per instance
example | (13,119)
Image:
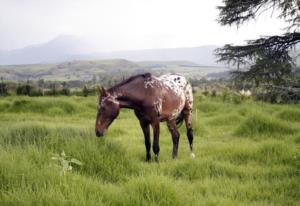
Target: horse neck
(126,97)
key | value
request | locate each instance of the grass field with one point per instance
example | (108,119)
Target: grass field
(246,154)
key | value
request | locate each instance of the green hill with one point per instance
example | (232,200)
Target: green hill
(86,70)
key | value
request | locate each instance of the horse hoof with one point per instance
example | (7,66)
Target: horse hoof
(156,158)
(193,155)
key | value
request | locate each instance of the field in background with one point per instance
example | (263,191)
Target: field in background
(99,69)
(246,154)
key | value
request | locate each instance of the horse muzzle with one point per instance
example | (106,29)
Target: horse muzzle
(99,134)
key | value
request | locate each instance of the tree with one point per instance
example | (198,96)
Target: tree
(85,91)
(65,90)
(3,87)
(266,59)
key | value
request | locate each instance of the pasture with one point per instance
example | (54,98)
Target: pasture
(246,154)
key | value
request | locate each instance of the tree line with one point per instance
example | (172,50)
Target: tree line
(32,88)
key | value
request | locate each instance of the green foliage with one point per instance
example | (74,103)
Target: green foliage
(85,91)
(65,162)
(233,97)
(3,89)
(229,169)
(24,89)
(279,96)
(266,59)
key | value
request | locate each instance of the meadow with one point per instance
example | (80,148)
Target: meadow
(246,154)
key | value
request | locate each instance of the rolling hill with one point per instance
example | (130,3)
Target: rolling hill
(86,70)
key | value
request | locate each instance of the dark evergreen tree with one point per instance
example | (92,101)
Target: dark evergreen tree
(267,59)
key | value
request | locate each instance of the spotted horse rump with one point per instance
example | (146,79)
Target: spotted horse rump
(167,98)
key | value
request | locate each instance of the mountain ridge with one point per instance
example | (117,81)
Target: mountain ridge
(68,48)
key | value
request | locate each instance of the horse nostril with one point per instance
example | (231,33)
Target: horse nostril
(99,134)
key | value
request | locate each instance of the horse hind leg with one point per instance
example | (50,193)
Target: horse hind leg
(189,129)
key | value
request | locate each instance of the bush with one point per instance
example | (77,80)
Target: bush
(24,89)
(85,91)
(214,93)
(88,91)
(232,97)
(65,91)
(277,96)
(36,92)
(3,89)
(205,92)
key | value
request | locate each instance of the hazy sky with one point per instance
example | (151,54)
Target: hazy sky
(124,24)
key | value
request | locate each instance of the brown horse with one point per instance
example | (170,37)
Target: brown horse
(167,98)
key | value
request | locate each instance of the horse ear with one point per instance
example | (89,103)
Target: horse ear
(103,92)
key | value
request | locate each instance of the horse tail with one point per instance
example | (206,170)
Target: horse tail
(179,119)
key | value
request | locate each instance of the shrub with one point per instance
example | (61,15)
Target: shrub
(232,97)
(24,89)
(3,89)
(214,93)
(205,92)
(36,92)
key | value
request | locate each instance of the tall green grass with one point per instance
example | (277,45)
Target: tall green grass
(246,154)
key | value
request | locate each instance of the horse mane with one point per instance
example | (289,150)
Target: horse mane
(126,81)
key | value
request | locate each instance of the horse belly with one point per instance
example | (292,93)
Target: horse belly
(175,95)
(172,107)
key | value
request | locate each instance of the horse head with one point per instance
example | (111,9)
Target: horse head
(108,110)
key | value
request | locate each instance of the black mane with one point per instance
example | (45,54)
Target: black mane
(126,81)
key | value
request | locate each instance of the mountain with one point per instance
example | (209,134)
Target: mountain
(68,48)
(203,55)
(59,49)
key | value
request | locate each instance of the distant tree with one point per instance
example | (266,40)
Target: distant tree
(65,90)
(267,59)
(85,91)
(41,83)
(3,87)
(28,88)
(53,89)
(24,89)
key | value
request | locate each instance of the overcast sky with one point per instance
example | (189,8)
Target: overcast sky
(124,24)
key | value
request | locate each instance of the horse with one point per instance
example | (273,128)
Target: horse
(167,98)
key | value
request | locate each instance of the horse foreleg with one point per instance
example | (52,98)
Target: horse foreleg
(156,139)
(175,136)
(146,130)
(189,130)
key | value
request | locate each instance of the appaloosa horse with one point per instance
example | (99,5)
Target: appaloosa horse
(154,99)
